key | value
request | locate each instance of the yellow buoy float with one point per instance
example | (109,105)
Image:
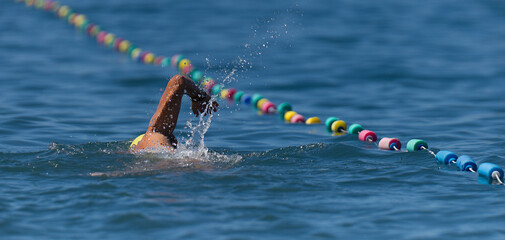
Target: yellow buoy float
(149,58)
(338,126)
(109,39)
(183,63)
(124,46)
(288,115)
(261,102)
(224,93)
(313,120)
(136,53)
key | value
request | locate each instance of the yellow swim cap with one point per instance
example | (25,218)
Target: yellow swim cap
(136,141)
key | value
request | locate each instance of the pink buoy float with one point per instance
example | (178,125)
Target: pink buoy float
(100,38)
(297,118)
(158,60)
(367,136)
(231,93)
(390,144)
(268,108)
(88,28)
(117,41)
(187,69)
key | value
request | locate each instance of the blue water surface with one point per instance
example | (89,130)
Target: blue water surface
(407,69)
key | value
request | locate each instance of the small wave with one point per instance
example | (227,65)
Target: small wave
(119,161)
(86,148)
(151,163)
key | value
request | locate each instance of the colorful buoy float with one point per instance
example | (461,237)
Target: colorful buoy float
(238,96)
(255,99)
(297,118)
(283,108)
(175,60)
(183,63)
(355,128)
(196,76)
(466,163)
(490,172)
(390,144)
(329,121)
(223,93)
(216,89)
(246,99)
(446,157)
(367,136)
(268,108)
(288,115)
(338,126)
(313,120)
(260,103)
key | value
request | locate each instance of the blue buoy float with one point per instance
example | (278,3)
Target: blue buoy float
(490,171)
(466,163)
(246,99)
(446,157)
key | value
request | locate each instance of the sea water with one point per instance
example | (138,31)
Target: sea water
(407,69)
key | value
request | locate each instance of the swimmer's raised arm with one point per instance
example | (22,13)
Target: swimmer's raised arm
(163,122)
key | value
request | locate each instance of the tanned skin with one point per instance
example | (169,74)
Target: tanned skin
(160,133)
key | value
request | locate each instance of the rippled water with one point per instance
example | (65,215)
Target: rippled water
(407,69)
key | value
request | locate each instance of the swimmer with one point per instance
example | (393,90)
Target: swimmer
(160,133)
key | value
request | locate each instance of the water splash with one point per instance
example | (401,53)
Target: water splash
(272,30)
(267,32)
(193,146)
